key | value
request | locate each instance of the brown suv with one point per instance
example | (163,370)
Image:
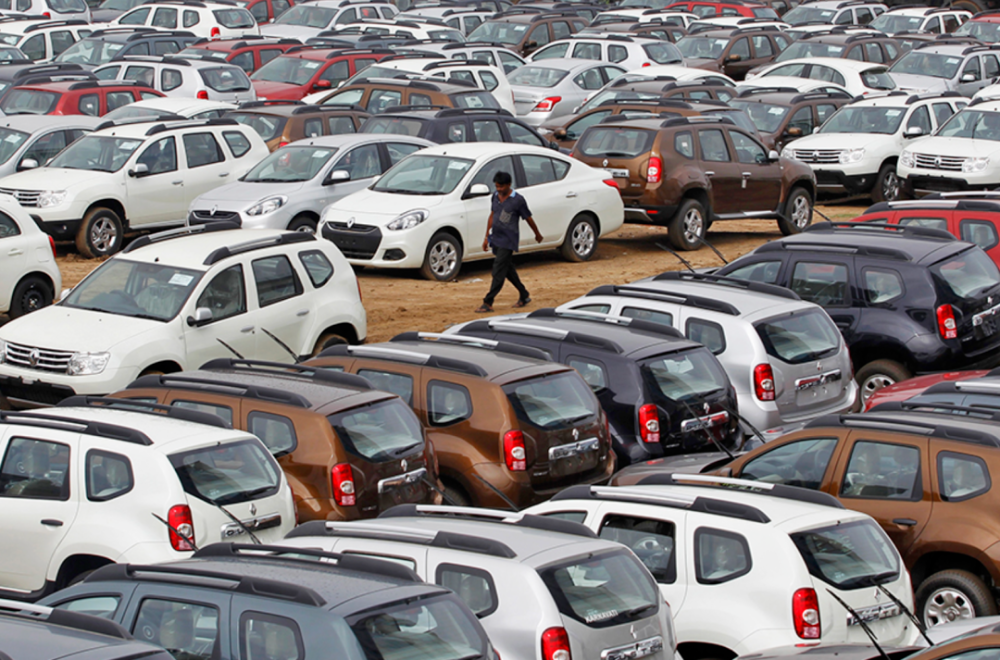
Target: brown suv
(783,114)
(570,131)
(638,88)
(507,424)
(732,52)
(349,451)
(377,95)
(686,172)
(280,122)
(524,31)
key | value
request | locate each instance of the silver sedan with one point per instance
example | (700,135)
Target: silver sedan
(547,90)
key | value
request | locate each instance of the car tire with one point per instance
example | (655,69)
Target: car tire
(690,220)
(443,258)
(455,496)
(798,212)
(326,340)
(878,374)
(886,187)
(302,223)
(100,234)
(30,294)
(580,243)
(953,594)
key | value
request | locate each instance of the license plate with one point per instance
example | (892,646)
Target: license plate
(574,449)
(984,324)
(621,174)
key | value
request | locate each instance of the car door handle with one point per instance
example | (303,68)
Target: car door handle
(571,194)
(249,328)
(709,173)
(15,252)
(746,175)
(178,182)
(905,522)
(51,522)
(302,312)
(224,174)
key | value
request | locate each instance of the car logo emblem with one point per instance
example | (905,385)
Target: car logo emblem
(253,509)
(819,366)
(705,408)
(937,162)
(631,631)
(878,594)
(403,465)
(33,357)
(214,209)
(576,434)
(605,162)
(350,223)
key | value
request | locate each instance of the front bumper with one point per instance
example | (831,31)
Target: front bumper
(918,185)
(60,230)
(838,181)
(368,245)
(277,220)
(25,388)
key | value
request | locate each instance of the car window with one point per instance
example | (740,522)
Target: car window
(824,110)
(713,145)
(116,100)
(275,280)
(160,157)
(340,125)
(920,118)
(879,470)
(991,68)
(942,111)
(762,46)
(170,79)
(447,403)
(259,12)
(741,47)
(485,175)
(586,51)
(972,67)
(225,295)
(537,170)
(651,315)
(802,120)
(90,104)
(202,149)
(456,132)
(800,463)
(361,162)
(592,372)
(461,76)
(822,283)
(961,476)
(102,606)
(61,40)
(225,413)
(46,147)
(473,585)
(137,17)
(8,227)
(747,150)
(490,82)
(266,55)
(399,384)
(164,17)
(651,540)
(932,223)
(312,127)
(873,53)
(187,630)
(191,17)
(540,35)
(160,48)
(268,636)
(522,135)
(720,556)
(589,79)
(107,72)
(706,333)
(561,30)
(379,100)
(317,266)
(238,143)
(487,130)
(400,150)
(617,53)
(684,144)
(981,232)
(277,432)
(34,47)
(881,285)
(108,475)
(35,469)
(336,73)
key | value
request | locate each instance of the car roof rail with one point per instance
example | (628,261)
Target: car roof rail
(597,317)
(913,98)
(517,519)
(300,371)
(64,618)
(811,96)
(781,491)
(398,109)
(98,429)
(912,231)
(175,381)
(180,232)
(838,248)
(191,123)
(312,556)
(702,119)
(709,278)
(946,428)
(665,296)
(137,30)
(48,69)
(307,109)
(52,24)
(285,238)
(755,91)
(986,412)
(438,539)
(248,105)
(404,356)
(65,77)
(460,112)
(645,495)
(476,342)
(146,407)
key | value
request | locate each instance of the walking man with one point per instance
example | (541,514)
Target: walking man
(508,210)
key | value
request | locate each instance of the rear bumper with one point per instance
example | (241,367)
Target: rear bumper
(649,215)
(519,490)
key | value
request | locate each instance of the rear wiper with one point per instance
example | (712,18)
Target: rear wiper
(246,495)
(634,613)
(238,522)
(403,450)
(573,420)
(616,154)
(862,623)
(906,610)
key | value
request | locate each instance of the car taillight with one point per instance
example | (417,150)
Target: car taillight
(179,518)
(215,34)
(654,169)
(202,94)
(52,244)
(282,143)
(555,644)
(513,451)
(46,14)
(612,183)
(645,64)
(805,614)
(546,105)
(763,382)
(342,478)
(946,322)
(649,423)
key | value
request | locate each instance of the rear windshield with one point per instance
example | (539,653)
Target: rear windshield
(29,102)
(267,126)
(800,336)
(394,126)
(475,100)
(967,274)
(615,142)
(849,555)
(67,6)
(226,79)
(665,53)
(604,590)
(685,376)
(536,76)
(234,18)
(436,628)
(379,431)
(552,402)
(228,473)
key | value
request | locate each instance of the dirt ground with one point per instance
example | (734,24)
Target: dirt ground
(398,301)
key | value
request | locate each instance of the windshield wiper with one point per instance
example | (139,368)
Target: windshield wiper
(246,495)
(862,623)
(573,420)
(632,614)
(906,610)
(238,522)
(402,450)
(616,154)
(274,180)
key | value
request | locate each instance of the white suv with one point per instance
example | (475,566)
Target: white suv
(628,52)
(41,39)
(835,12)
(856,149)
(29,275)
(93,484)
(210,80)
(133,177)
(308,19)
(937,20)
(175,300)
(748,566)
(211,19)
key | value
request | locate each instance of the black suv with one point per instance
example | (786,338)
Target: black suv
(116,43)
(234,601)
(908,299)
(456,125)
(782,114)
(662,393)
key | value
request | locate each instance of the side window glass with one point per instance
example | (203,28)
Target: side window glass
(381,99)
(35,469)
(961,477)
(202,149)
(592,373)
(318,267)
(891,51)
(399,384)
(266,55)
(617,53)
(361,162)
(720,556)
(706,333)
(684,144)
(225,413)
(340,125)
(561,168)
(741,48)
(170,79)
(313,127)
(8,227)
(116,100)
(165,17)
(186,630)
(933,25)
(34,47)
(878,470)
(490,82)
(589,79)
(762,47)
(474,586)
(226,294)
(485,175)
(942,112)
(191,17)
(980,232)
(447,403)
(400,150)
(651,540)
(488,131)
(781,41)
(651,315)
(824,110)
(823,284)
(972,67)
(537,170)
(102,606)
(600,309)
(882,286)
(950,23)
(800,463)
(266,636)
(586,51)
(920,118)
(46,147)
(522,135)
(347,16)
(873,53)
(276,432)
(137,17)
(160,157)
(844,18)
(933,223)
(540,35)
(802,120)
(457,132)
(90,104)
(160,48)
(275,279)
(108,476)
(713,146)
(748,151)
(336,72)
(258,10)
(61,40)
(561,30)
(238,143)
(139,49)
(107,72)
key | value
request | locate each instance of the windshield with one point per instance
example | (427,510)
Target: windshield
(687,376)
(29,102)
(536,76)
(437,628)
(137,289)
(849,555)
(306,16)
(505,33)
(228,473)
(882,120)
(234,18)
(988,32)
(739,118)
(800,336)
(556,401)
(603,590)
(291,70)
(90,51)
(373,71)
(802,49)
(893,23)
(225,79)
(765,116)
(607,95)
(921,63)
(380,431)
(702,47)
(424,175)
(967,274)
(268,127)
(98,153)
(120,5)
(11,55)
(975,124)
(615,142)
(802,14)
(10,142)
(9,39)
(291,163)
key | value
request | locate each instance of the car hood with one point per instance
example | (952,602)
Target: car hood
(701,63)
(378,208)
(966,148)
(835,141)
(276,90)
(52,178)
(914,82)
(300,32)
(92,332)
(239,195)
(104,15)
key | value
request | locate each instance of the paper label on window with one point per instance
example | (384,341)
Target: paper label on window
(181,279)
(776,111)
(893,113)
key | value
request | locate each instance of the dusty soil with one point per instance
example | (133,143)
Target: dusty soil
(398,301)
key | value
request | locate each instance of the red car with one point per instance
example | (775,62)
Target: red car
(707,8)
(306,69)
(970,216)
(265,11)
(984,26)
(85,97)
(908,389)
(249,52)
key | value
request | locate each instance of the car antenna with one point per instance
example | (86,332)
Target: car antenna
(440,492)
(231,349)
(189,541)
(711,247)
(496,490)
(238,522)
(861,622)
(684,261)
(295,358)
(906,610)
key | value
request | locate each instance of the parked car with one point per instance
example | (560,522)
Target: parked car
(858,78)
(707,8)
(86,97)
(306,69)
(41,40)
(465,19)
(844,41)
(111,43)
(281,122)
(942,67)
(411,29)
(551,89)
(308,19)
(961,391)
(16,71)
(249,52)
(208,80)
(678,82)
(524,32)
(204,18)
(28,269)
(33,140)
(265,11)
(627,51)
(835,12)
(494,54)
(782,115)
(456,125)
(731,51)
(380,94)
(166,108)
(937,20)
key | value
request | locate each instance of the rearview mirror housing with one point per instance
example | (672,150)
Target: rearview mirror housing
(202,315)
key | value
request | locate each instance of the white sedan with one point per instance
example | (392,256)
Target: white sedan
(430,210)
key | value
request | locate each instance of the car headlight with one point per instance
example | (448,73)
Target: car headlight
(852,155)
(975,164)
(906,158)
(408,220)
(51,198)
(267,205)
(788,152)
(87,364)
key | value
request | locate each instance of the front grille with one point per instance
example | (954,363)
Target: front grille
(949,163)
(23,197)
(354,241)
(824,156)
(43,359)
(46,395)
(201,217)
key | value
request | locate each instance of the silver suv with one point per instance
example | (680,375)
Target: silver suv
(785,357)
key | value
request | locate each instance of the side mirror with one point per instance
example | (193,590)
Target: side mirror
(202,315)
(477,190)
(968,77)
(28,164)
(559,134)
(734,57)
(553,145)
(773,155)
(322,84)
(63,294)
(794,131)
(140,171)
(913,131)
(337,176)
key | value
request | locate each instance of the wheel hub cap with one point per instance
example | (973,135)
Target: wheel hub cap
(947,604)
(583,239)
(443,258)
(693,225)
(103,234)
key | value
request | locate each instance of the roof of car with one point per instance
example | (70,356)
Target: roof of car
(74,85)
(975,426)
(28,637)
(426,82)
(956,49)
(285,108)
(963,201)
(900,98)
(774,97)
(33,123)
(834,62)
(566,64)
(988,105)
(917,10)
(120,33)
(246,41)
(179,104)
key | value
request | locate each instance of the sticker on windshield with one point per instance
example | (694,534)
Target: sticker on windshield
(181,279)
(953,60)
(893,113)
(456,165)
(129,144)
(13,137)
(776,111)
